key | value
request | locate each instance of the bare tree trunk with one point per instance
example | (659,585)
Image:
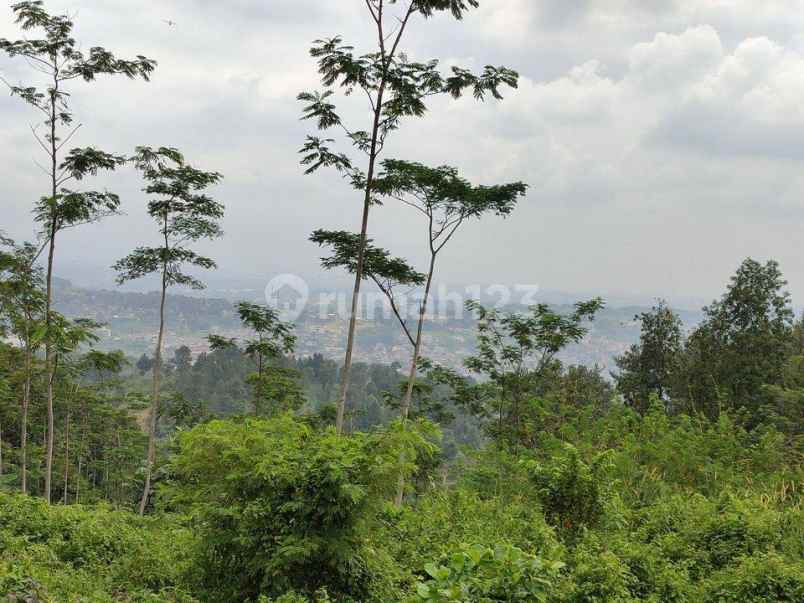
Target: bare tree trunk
(1,449)
(81,451)
(350,340)
(78,482)
(154,411)
(50,368)
(417,348)
(405,406)
(66,455)
(26,398)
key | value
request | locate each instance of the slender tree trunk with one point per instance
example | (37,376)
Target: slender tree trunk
(373,153)
(66,455)
(1,450)
(50,368)
(417,348)
(81,451)
(405,406)
(157,374)
(26,398)
(350,340)
(78,482)
(258,391)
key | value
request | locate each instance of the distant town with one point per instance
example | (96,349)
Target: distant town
(129,320)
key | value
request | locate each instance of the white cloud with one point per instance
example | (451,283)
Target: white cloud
(669,61)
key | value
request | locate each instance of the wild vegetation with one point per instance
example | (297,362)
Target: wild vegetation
(249,474)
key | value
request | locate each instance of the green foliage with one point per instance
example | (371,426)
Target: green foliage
(516,355)
(439,522)
(388,272)
(756,579)
(378,264)
(441,192)
(183,213)
(276,389)
(21,290)
(291,511)
(742,345)
(398,88)
(597,576)
(663,509)
(650,367)
(57,56)
(62,553)
(570,490)
(484,574)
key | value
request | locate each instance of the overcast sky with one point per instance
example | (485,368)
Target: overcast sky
(663,140)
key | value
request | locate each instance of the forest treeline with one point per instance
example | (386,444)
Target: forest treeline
(249,474)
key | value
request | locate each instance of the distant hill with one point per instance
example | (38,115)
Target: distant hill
(131,319)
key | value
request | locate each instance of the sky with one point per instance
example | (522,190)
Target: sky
(662,139)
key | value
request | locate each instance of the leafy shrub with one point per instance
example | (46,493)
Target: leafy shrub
(483,574)
(59,553)
(571,491)
(757,579)
(438,523)
(320,596)
(282,507)
(598,575)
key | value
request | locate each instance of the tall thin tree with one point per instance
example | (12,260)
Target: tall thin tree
(395,88)
(56,57)
(184,214)
(22,299)
(447,201)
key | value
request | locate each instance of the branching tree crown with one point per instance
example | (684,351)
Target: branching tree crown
(276,388)
(274,337)
(406,86)
(743,342)
(57,57)
(650,366)
(511,343)
(389,273)
(514,353)
(444,197)
(184,214)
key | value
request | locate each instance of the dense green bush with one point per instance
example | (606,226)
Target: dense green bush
(759,578)
(440,522)
(483,574)
(293,507)
(571,491)
(59,553)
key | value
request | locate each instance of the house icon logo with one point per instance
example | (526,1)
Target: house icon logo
(288,294)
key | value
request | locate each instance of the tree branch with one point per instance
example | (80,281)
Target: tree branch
(389,294)
(39,140)
(68,137)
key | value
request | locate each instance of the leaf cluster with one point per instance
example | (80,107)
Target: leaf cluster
(183,212)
